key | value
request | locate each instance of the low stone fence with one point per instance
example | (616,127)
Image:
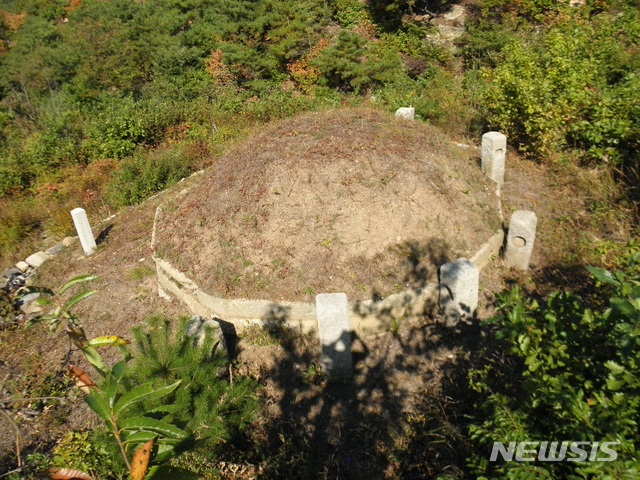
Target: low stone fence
(334,319)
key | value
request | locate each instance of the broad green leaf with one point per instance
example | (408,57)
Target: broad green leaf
(625,307)
(94,358)
(98,403)
(119,369)
(153,425)
(142,392)
(113,381)
(76,298)
(166,452)
(144,436)
(43,301)
(75,281)
(603,275)
(165,409)
(165,472)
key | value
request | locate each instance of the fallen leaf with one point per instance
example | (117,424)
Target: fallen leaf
(82,378)
(67,474)
(141,461)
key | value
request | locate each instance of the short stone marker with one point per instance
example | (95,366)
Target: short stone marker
(407,113)
(334,329)
(494,149)
(520,239)
(458,290)
(83,228)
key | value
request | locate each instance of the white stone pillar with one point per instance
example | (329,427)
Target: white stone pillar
(334,329)
(520,239)
(459,282)
(84,230)
(494,149)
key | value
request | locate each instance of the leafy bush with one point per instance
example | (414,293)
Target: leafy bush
(570,87)
(148,172)
(575,376)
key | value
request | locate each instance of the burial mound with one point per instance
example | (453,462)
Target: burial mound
(352,201)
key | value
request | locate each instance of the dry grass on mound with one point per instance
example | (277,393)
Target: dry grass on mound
(348,200)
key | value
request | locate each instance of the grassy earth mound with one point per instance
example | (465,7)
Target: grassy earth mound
(351,200)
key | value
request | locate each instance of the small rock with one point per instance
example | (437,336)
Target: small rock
(197,327)
(37,259)
(68,241)
(22,301)
(22,266)
(56,249)
(9,272)
(16,280)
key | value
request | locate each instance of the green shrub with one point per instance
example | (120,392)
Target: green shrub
(205,404)
(352,64)
(573,374)
(571,87)
(148,172)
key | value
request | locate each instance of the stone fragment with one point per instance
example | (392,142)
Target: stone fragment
(84,230)
(22,266)
(56,249)
(12,279)
(520,239)
(9,272)
(28,305)
(407,113)
(198,327)
(494,149)
(334,329)
(68,241)
(37,259)
(458,290)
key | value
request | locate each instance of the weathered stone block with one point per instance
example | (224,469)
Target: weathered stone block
(56,249)
(520,239)
(458,290)
(37,259)
(199,327)
(22,266)
(407,113)
(494,149)
(83,228)
(334,329)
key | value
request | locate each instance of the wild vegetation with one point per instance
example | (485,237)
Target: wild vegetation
(104,103)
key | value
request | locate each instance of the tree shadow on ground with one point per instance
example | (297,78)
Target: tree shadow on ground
(403,414)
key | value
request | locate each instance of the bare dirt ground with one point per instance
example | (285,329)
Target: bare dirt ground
(400,417)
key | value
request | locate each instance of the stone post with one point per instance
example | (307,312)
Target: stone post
(334,329)
(84,230)
(458,290)
(494,149)
(407,113)
(520,239)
